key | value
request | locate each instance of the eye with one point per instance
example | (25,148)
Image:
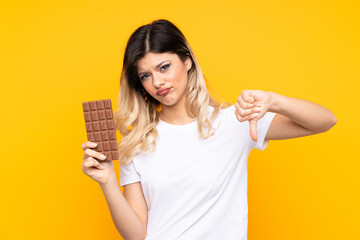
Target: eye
(165,66)
(142,77)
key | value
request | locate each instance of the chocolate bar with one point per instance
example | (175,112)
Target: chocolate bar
(100,127)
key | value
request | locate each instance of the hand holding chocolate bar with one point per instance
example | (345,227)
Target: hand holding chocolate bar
(102,144)
(103,172)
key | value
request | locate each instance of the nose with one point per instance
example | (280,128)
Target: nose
(157,81)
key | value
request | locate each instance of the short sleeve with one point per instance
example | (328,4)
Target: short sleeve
(128,174)
(262,127)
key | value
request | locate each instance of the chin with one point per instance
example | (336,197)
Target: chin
(168,103)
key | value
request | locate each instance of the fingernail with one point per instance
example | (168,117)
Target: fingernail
(94,144)
(102,167)
(103,156)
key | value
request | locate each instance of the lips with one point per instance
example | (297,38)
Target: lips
(163,91)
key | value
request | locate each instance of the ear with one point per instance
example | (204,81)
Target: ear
(188,63)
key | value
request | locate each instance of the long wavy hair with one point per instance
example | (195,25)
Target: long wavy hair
(137,114)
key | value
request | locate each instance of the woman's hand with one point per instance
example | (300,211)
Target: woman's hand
(252,105)
(102,172)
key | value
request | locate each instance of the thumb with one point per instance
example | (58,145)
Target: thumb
(253,132)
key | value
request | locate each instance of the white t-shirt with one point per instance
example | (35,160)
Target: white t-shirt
(196,189)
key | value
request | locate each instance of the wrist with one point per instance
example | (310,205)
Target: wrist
(274,102)
(109,184)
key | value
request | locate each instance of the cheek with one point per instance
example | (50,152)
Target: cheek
(147,88)
(146,85)
(179,77)
(173,76)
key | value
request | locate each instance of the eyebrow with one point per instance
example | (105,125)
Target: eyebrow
(155,67)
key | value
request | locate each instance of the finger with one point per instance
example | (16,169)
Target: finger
(88,144)
(250,100)
(91,162)
(88,162)
(243,104)
(241,119)
(94,154)
(247,95)
(244,112)
(248,117)
(253,130)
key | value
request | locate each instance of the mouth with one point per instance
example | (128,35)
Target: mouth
(163,91)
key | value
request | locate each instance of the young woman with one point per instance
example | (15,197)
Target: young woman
(183,154)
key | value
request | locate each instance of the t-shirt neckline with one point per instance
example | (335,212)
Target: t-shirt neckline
(174,127)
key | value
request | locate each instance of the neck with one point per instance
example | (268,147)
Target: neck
(175,114)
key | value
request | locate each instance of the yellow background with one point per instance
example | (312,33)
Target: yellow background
(56,54)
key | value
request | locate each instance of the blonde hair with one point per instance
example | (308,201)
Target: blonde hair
(137,116)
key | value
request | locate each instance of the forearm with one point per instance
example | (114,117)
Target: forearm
(124,217)
(305,113)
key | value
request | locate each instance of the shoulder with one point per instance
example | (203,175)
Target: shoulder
(222,111)
(227,118)
(229,114)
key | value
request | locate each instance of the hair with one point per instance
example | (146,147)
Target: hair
(137,114)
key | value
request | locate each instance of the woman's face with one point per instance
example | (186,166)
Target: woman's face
(164,76)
